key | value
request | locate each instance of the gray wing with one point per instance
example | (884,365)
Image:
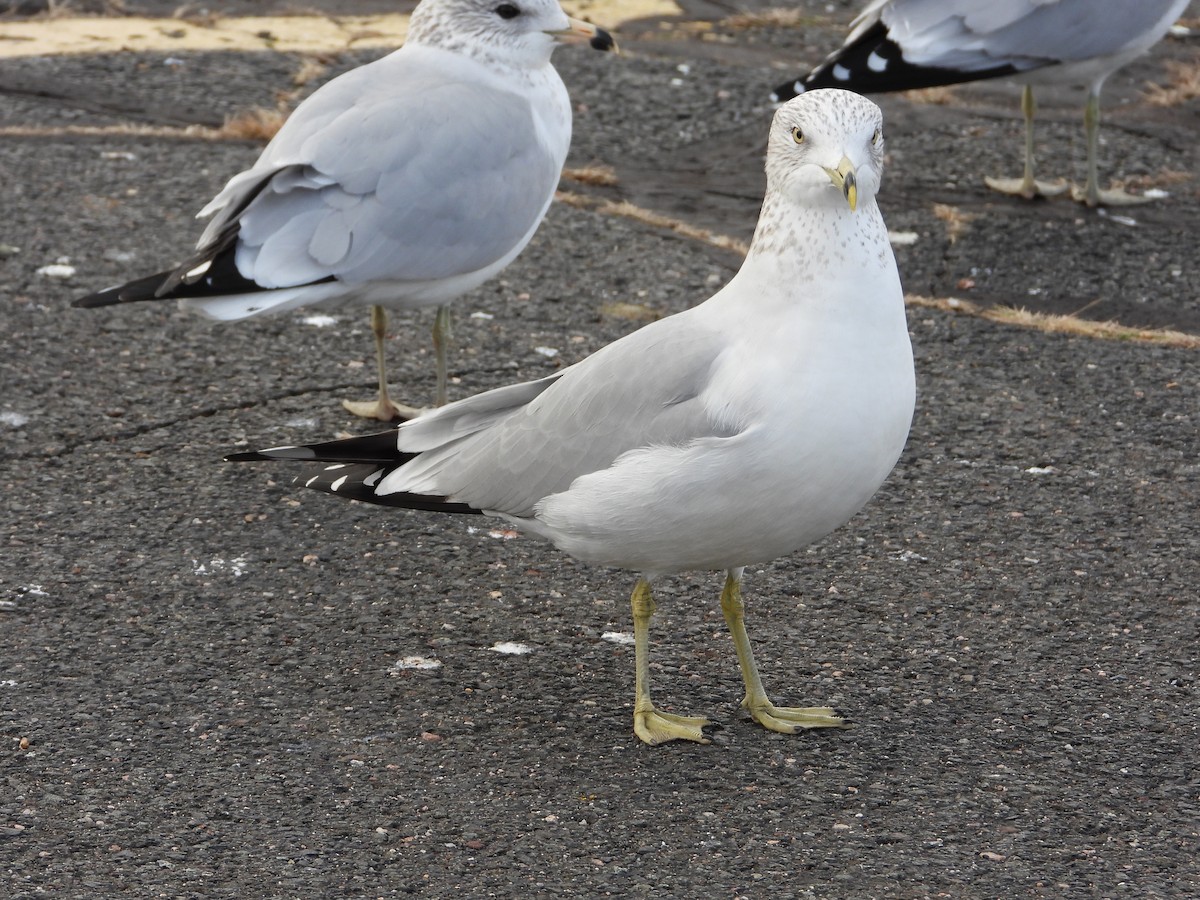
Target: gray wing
(644,390)
(392,171)
(970,35)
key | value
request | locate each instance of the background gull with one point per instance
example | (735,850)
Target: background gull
(724,436)
(401,184)
(898,45)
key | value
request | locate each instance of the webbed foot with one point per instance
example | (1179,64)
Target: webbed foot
(790,719)
(382,409)
(656,727)
(1029,189)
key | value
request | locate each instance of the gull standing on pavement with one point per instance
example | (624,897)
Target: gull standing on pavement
(899,45)
(727,435)
(401,184)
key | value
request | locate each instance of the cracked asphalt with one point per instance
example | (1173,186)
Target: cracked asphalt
(211,684)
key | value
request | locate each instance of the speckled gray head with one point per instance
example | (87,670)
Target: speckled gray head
(826,148)
(516,32)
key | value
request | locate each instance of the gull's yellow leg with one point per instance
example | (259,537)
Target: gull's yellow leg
(649,724)
(381,408)
(787,719)
(441,338)
(1027,186)
(1090,193)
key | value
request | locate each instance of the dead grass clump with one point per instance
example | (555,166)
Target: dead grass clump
(257,124)
(188,132)
(627,210)
(1163,179)
(1109,331)
(1183,84)
(957,221)
(602,176)
(311,69)
(932,96)
(630,312)
(1058,324)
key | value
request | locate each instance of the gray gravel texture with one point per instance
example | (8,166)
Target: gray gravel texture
(199,689)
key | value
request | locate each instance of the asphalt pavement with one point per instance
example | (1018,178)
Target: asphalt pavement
(213,684)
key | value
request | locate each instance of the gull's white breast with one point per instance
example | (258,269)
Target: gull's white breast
(814,395)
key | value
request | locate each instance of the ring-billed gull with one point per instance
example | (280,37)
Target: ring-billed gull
(898,45)
(401,184)
(724,436)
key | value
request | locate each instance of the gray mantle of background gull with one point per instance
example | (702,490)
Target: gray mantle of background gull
(203,661)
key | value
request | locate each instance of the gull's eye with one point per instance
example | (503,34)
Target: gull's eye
(507,11)
(877,137)
(797,135)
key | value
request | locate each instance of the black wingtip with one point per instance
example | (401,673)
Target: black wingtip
(131,292)
(786,92)
(359,481)
(106,297)
(249,456)
(212,272)
(875,64)
(352,468)
(304,454)
(372,449)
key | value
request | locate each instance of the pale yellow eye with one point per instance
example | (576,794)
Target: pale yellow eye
(797,135)
(877,137)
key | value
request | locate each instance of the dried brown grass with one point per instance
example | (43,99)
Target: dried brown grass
(1163,179)
(252,125)
(311,68)
(255,124)
(627,210)
(1182,84)
(190,132)
(932,96)
(1058,324)
(630,312)
(957,222)
(599,175)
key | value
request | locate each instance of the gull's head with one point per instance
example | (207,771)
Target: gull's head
(826,149)
(515,32)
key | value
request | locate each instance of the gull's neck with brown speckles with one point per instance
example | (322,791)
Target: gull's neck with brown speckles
(814,240)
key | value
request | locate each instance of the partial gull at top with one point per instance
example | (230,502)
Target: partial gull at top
(400,184)
(899,45)
(724,436)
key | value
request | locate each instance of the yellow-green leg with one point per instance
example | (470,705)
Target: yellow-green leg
(787,719)
(382,408)
(1090,193)
(441,339)
(649,724)
(1027,186)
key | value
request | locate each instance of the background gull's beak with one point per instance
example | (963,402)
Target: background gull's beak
(843,179)
(580,31)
